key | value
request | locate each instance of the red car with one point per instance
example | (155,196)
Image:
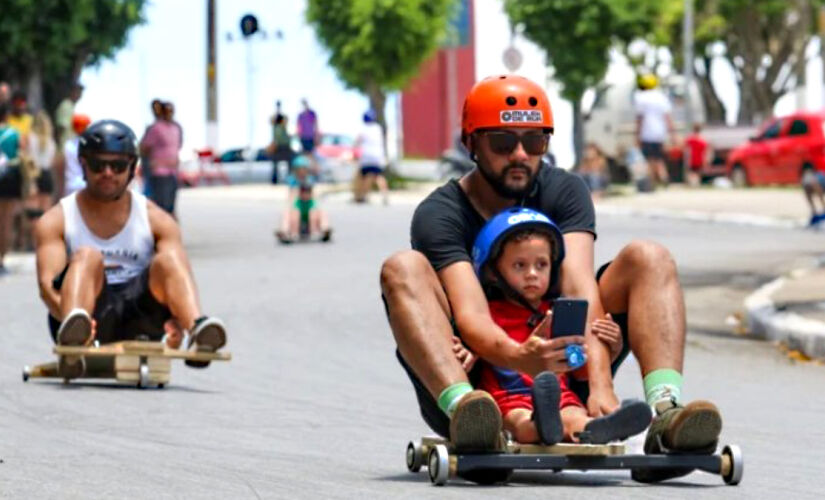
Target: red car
(782,150)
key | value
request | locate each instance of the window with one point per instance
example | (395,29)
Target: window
(798,127)
(772,132)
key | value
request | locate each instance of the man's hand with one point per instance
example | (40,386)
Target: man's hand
(608,331)
(174,333)
(602,402)
(536,355)
(464,355)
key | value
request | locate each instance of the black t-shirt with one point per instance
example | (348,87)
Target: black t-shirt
(445,224)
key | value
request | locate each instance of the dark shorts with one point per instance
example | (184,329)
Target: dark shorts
(45,182)
(308,145)
(438,421)
(163,190)
(11,183)
(124,311)
(371,169)
(653,151)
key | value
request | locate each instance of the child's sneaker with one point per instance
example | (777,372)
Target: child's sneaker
(208,335)
(476,423)
(75,330)
(630,419)
(546,412)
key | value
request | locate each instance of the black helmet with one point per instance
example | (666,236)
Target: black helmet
(108,136)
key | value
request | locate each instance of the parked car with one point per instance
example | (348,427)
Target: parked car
(782,150)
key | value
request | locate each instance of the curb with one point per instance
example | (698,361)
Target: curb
(765,321)
(699,216)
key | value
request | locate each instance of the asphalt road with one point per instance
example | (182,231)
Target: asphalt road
(314,404)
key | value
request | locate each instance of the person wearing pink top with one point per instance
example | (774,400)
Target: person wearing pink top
(161,145)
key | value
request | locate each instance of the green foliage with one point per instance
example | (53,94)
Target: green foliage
(56,38)
(379,43)
(577,35)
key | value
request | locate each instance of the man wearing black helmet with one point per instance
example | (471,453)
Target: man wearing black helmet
(111,264)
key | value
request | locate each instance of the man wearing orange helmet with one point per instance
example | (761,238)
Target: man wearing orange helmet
(436,305)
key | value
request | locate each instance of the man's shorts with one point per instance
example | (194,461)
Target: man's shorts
(124,311)
(45,182)
(371,169)
(440,423)
(653,151)
(308,145)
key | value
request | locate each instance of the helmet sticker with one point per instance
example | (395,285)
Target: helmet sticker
(521,116)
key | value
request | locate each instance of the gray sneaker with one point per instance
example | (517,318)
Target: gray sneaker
(476,423)
(75,330)
(208,335)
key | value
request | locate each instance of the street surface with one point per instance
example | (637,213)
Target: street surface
(314,404)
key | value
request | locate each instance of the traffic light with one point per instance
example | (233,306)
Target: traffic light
(249,25)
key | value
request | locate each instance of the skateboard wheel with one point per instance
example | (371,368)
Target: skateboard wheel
(415,456)
(27,371)
(438,465)
(161,386)
(144,376)
(733,470)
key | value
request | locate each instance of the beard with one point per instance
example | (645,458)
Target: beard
(499,182)
(99,194)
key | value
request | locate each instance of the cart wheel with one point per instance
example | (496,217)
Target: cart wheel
(438,465)
(144,376)
(27,371)
(415,456)
(733,474)
(161,386)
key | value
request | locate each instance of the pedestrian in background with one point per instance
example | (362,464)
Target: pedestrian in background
(162,143)
(64,114)
(19,117)
(69,172)
(11,181)
(593,170)
(280,149)
(42,151)
(308,128)
(372,159)
(653,124)
(697,152)
(145,163)
(5,92)
(813,184)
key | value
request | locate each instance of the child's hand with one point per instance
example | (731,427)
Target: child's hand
(608,331)
(464,355)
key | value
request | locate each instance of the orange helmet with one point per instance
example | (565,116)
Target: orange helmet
(79,123)
(506,101)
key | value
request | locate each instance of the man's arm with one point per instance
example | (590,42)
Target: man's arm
(579,280)
(50,251)
(165,230)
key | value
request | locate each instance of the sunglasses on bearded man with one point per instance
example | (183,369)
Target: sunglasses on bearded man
(117,166)
(503,142)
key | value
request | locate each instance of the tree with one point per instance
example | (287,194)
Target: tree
(577,37)
(377,46)
(763,41)
(47,43)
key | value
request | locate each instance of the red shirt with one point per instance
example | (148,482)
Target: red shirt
(512,389)
(697,148)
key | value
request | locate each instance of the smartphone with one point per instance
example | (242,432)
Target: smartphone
(569,317)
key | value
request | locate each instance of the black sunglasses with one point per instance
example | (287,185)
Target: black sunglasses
(503,142)
(118,166)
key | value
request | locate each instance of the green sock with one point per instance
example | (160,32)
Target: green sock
(449,397)
(662,384)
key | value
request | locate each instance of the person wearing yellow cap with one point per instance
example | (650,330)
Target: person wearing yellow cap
(653,125)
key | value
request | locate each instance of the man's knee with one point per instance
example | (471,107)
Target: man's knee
(645,256)
(166,261)
(401,268)
(87,256)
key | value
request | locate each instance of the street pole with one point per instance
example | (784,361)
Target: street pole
(452,93)
(211,73)
(250,101)
(687,42)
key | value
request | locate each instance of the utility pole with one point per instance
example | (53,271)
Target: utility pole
(687,70)
(211,74)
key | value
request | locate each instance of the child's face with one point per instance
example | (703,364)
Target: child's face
(526,266)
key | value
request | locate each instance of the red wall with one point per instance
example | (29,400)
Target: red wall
(425,119)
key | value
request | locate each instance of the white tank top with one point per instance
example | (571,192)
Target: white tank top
(126,254)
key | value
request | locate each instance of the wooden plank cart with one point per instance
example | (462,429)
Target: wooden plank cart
(443,462)
(138,362)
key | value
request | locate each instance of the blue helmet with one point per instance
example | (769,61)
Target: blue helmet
(369,116)
(491,236)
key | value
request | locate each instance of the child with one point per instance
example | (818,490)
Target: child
(302,216)
(517,256)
